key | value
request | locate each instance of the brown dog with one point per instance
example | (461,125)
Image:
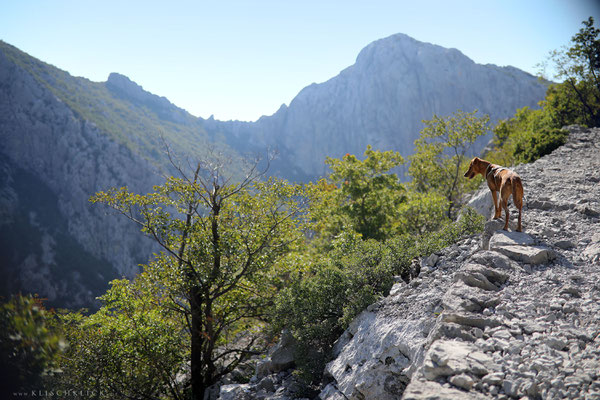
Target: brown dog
(499,179)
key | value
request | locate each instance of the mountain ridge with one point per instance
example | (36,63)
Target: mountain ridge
(381,100)
(79,137)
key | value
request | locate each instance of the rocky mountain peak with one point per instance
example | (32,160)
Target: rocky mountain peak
(125,85)
(125,88)
(381,100)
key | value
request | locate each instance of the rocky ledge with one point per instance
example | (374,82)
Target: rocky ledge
(502,315)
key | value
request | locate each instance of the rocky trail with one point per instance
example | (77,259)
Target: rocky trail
(496,316)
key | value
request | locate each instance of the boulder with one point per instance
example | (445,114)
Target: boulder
(506,238)
(376,362)
(281,358)
(428,390)
(330,392)
(447,358)
(489,229)
(482,203)
(235,392)
(495,260)
(533,255)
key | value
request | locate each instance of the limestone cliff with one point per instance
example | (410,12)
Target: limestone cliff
(54,242)
(381,100)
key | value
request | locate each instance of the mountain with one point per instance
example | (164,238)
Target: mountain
(381,100)
(63,138)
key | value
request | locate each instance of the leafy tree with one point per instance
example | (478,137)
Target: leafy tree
(361,195)
(220,243)
(29,344)
(577,99)
(135,346)
(440,157)
(322,300)
(422,212)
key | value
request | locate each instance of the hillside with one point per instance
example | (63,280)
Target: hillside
(381,100)
(65,138)
(497,316)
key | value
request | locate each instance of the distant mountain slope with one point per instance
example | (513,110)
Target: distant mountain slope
(381,100)
(62,139)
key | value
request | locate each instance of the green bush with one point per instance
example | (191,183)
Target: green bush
(529,135)
(319,303)
(533,145)
(29,344)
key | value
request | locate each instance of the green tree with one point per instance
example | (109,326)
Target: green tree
(135,346)
(577,99)
(322,299)
(29,344)
(361,195)
(440,157)
(220,243)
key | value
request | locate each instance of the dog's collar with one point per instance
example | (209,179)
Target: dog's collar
(488,169)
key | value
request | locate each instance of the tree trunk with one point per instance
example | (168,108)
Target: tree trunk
(198,385)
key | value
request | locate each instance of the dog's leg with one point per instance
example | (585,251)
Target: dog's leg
(497,211)
(517,193)
(505,191)
(506,212)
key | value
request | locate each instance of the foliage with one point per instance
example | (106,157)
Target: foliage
(135,346)
(222,244)
(577,99)
(529,135)
(440,157)
(29,344)
(320,302)
(360,195)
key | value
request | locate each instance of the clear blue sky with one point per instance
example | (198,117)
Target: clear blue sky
(243,59)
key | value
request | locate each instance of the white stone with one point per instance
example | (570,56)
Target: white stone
(534,255)
(462,381)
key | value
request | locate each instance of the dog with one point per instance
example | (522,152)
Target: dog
(499,179)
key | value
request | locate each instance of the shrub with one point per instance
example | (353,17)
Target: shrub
(320,302)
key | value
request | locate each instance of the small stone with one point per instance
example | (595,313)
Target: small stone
(572,291)
(564,244)
(556,343)
(510,387)
(462,381)
(502,334)
(266,384)
(430,261)
(534,255)
(478,333)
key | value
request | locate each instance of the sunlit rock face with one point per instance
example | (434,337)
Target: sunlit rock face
(381,100)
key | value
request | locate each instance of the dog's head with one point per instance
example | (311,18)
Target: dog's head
(474,168)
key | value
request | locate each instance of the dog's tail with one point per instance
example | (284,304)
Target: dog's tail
(517,192)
